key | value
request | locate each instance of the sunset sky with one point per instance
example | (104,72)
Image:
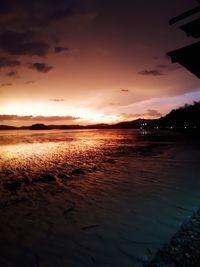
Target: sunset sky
(89,61)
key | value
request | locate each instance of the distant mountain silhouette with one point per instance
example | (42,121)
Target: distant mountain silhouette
(183,118)
(7,127)
(136,124)
(187,116)
(38,126)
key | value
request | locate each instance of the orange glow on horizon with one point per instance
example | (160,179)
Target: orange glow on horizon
(46,109)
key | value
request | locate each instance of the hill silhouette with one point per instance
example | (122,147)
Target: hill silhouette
(186,117)
(183,118)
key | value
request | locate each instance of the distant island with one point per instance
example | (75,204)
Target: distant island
(183,118)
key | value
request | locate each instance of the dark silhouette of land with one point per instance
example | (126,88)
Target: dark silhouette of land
(185,118)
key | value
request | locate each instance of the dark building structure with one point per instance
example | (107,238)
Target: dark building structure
(188,56)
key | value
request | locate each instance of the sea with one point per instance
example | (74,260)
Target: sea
(83,198)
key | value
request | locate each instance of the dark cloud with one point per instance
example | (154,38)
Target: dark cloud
(57,99)
(11,73)
(60,13)
(7,62)
(4,6)
(35,13)
(124,90)
(27,27)
(158,70)
(6,84)
(59,49)
(41,67)
(22,43)
(36,118)
(152,72)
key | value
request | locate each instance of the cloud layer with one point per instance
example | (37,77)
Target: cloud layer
(26,30)
(6,62)
(4,118)
(152,72)
(159,70)
(40,67)
(23,43)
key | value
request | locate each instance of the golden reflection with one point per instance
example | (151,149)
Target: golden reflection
(39,151)
(27,150)
(43,150)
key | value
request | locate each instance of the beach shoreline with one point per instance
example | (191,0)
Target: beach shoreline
(183,249)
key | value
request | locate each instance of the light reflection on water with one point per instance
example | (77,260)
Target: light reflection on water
(84,198)
(51,151)
(23,145)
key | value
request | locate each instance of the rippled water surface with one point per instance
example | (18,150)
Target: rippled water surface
(95,197)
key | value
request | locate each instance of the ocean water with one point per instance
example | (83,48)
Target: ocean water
(93,197)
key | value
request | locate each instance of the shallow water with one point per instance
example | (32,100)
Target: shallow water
(95,197)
